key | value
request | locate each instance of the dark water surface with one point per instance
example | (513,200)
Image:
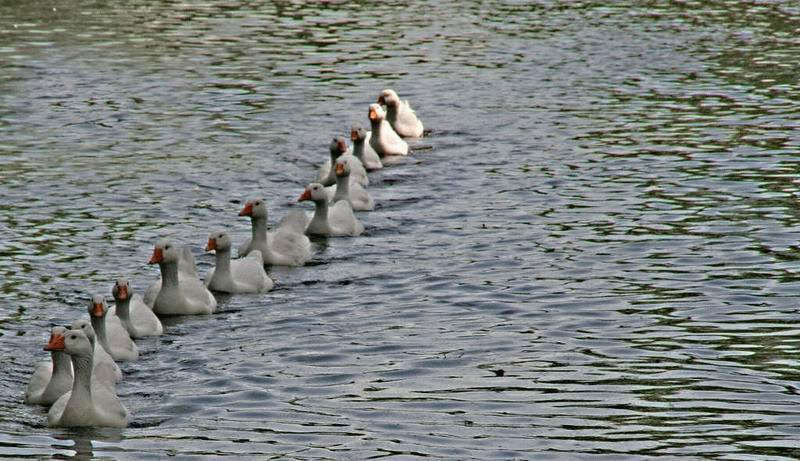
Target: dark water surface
(606,210)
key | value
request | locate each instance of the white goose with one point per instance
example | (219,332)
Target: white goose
(400,115)
(50,380)
(85,404)
(357,196)
(105,370)
(186,268)
(338,149)
(244,275)
(111,335)
(179,295)
(336,220)
(287,245)
(384,140)
(362,150)
(136,316)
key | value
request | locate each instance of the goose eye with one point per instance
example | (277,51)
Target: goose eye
(166,247)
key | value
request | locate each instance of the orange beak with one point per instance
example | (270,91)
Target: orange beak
(353,135)
(212,244)
(157,257)
(306,195)
(381,100)
(122,293)
(341,145)
(56,343)
(247,210)
(339,169)
(97,311)
(372,114)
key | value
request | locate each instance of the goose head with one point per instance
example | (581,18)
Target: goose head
(338,147)
(376,113)
(122,290)
(85,326)
(165,252)
(314,192)
(219,241)
(357,133)
(342,167)
(56,339)
(255,208)
(98,306)
(388,98)
(74,342)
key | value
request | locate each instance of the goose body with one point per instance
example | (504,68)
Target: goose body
(338,148)
(180,294)
(134,315)
(111,335)
(86,404)
(334,220)
(243,275)
(400,115)
(287,245)
(384,140)
(50,380)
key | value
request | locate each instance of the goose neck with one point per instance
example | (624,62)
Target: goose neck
(61,362)
(169,274)
(99,325)
(82,380)
(342,188)
(259,228)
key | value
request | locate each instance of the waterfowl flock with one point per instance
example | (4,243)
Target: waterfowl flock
(79,382)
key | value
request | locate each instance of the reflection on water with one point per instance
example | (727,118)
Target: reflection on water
(605,211)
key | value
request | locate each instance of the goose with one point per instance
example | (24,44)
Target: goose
(338,148)
(353,193)
(335,220)
(137,318)
(287,245)
(362,150)
(179,294)
(186,268)
(384,140)
(244,275)
(112,336)
(85,404)
(105,370)
(50,380)
(400,115)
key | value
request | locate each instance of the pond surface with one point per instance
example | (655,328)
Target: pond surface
(592,255)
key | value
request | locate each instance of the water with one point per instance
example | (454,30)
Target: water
(605,210)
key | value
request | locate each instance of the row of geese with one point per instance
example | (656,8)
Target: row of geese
(79,382)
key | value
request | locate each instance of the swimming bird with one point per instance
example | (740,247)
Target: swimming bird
(136,316)
(50,380)
(85,404)
(400,115)
(338,148)
(384,140)
(105,370)
(357,196)
(243,275)
(335,220)
(286,245)
(112,336)
(179,294)
(362,150)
